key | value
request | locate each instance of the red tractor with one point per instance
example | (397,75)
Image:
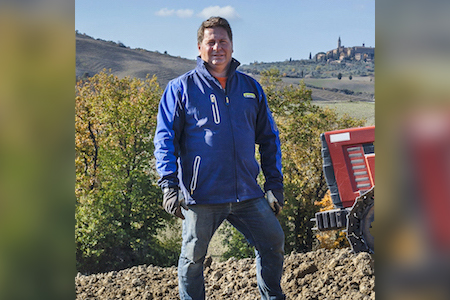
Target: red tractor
(349,169)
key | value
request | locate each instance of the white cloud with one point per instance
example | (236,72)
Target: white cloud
(181,13)
(185,13)
(227,12)
(165,12)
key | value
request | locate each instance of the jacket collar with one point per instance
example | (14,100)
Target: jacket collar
(201,66)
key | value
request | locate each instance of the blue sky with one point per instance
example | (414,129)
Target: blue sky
(263,31)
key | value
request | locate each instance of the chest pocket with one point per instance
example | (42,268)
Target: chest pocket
(215,109)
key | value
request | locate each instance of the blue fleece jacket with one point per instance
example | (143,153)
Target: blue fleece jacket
(205,137)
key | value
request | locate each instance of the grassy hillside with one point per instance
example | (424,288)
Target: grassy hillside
(357,110)
(92,56)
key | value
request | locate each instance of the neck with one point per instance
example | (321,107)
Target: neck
(218,72)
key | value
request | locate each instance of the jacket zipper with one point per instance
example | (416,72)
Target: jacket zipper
(227,102)
(195,168)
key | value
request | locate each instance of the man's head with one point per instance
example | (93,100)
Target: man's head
(211,23)
(215,45)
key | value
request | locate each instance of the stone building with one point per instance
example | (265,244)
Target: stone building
(350,53)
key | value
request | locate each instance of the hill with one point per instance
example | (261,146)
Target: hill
(310,68)
(94,55)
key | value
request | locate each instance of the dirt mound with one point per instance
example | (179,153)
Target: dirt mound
(322,274)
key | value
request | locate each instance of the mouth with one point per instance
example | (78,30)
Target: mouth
(218,56)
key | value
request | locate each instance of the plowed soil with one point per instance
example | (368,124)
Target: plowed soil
(322,274)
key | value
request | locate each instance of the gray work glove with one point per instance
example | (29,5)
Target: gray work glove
(276,200)
(172,202)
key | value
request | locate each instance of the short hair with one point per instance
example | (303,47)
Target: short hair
(211,23)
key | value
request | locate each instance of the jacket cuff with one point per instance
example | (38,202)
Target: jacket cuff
(273,186)
(165,183)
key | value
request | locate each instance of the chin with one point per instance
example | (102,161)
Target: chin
(218,62)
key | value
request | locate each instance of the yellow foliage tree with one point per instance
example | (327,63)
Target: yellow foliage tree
(332,239)
(300,124)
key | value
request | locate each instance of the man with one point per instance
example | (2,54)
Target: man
(209,121)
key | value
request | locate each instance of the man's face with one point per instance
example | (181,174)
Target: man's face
(216,49)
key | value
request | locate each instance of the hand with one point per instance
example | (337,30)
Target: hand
(171,202)
(276,200)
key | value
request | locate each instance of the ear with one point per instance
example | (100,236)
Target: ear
(198,46)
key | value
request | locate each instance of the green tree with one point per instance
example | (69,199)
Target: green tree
(300,124)
(236,244)
(118,209)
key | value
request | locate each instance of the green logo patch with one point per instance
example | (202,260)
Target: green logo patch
(249,95)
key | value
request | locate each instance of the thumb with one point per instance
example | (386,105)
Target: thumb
(178,213)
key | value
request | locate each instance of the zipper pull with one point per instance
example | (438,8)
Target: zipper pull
(227,100)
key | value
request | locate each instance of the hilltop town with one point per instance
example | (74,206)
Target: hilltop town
(346,61)
(341,53)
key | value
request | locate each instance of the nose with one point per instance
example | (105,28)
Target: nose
(216,46)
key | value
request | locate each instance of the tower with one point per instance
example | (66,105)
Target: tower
(339,42)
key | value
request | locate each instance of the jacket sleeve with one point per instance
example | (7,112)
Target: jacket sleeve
(267,138)
(167,135)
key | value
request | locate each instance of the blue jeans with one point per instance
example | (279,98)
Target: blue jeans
(255,220)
